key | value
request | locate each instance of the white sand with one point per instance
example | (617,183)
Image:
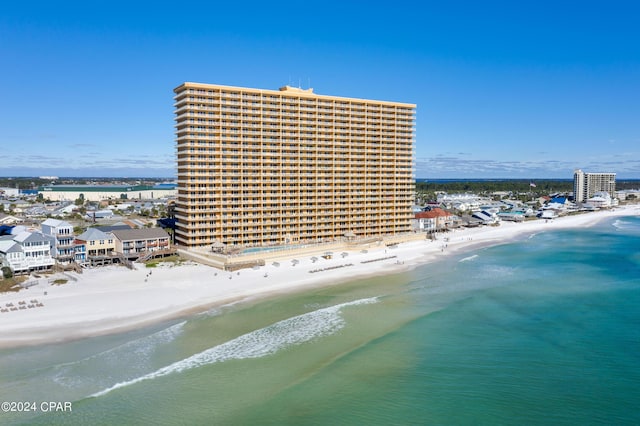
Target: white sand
(111,299)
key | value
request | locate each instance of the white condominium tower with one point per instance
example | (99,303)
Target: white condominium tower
(587,184)
(274,167)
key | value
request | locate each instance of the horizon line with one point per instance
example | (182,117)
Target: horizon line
(417,178)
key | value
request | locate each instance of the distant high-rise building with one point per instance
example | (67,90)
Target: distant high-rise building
(266,167)
(587,184)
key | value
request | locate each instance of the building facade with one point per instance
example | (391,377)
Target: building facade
(433,220)
(585,185)
(133,243)
(106,192)
(62,237)
(267,167)
(96,243)
(26,252)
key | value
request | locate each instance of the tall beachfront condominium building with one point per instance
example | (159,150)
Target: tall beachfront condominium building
(587,184)
(274,167)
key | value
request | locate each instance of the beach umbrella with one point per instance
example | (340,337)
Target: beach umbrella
(344,254)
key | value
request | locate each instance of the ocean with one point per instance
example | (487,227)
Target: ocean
(545,330)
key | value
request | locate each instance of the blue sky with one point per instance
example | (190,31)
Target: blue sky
(513,89)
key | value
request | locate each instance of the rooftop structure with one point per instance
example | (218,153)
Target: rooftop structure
(266,167)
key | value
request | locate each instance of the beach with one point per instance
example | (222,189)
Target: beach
(114,299)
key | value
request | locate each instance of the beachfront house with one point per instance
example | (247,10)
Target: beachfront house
(512,216)
(61,233)
(80,252)
(26,252)
(134,243)
(97,244)
(486,217)
(424,222)
(600,199)
(433,220)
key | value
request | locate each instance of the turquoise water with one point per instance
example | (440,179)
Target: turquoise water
(541,331)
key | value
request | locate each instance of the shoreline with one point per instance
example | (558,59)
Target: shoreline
(113,299)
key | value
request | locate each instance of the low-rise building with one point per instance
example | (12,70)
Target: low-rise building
(628,194)
(9,192)
(16,206)
(462,202)
(106,192)
(600,199)
(434,220)
(486,217)
(99,214)
(26,252)
(7,219)
(134,243)
(97,244)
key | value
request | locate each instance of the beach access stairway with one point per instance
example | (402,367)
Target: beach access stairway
(126,262)
(71,266)
(108,259)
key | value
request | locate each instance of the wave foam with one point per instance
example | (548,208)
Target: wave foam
(258,343)
(139,346)
(625,225)
(466,259)
(138,351)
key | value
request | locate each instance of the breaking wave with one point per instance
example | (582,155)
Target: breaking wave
(258,343)
(138,347)
(466,259)
(626,225)
(135,354)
